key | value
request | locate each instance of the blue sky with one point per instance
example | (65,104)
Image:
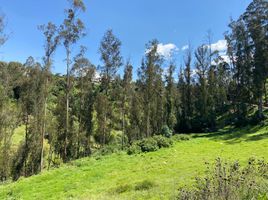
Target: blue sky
(174,23)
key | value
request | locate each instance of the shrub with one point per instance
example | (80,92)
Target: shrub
(162,142)
(144,185)
(165,131)
(181,137)
(148,145)
(230,181)
(107,149)
(134,149)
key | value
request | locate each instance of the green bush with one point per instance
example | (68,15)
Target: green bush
(148,145)
(165,131)
(230,181)
(181,137)
(107,149)
(162,142)
(134,149)
(144,185)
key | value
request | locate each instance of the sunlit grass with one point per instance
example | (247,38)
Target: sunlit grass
(161,173)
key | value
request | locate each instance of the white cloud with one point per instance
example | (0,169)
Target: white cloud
(185,47)
(226,58)
(220,46)
(167,50)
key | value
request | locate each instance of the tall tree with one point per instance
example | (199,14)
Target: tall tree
(240,51)
(52,39)
(126,98)
(150,78)
(170,97)
(85,73)
(256,17)
(112,60)
(71,31)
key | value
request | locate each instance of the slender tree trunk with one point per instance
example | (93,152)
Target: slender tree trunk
(67,104)
(123,123)
(44,121)
(265,93)
(26,141)
(148,121)
(49,157)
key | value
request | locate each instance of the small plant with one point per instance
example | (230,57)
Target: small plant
(162,141)
(148,145)
(108,149)
(230,181)
(144,185)
(181,137)
(134,149)
(166,131)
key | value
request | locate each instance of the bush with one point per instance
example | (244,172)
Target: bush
(181,137)
(166,131)
(144,185)
(134,149)
(148,145)
(230,181)
(107,149)
(163,142)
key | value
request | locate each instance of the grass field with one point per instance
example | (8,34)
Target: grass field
(120,176)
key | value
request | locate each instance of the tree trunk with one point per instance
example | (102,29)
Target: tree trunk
(67,104)
(260,108)
(44,123)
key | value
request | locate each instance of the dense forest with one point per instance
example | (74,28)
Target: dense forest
(66,117)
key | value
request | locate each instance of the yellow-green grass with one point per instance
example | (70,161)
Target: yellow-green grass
(18,136)
(115,176)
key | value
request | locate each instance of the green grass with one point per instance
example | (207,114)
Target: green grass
(155,175)
(18,136)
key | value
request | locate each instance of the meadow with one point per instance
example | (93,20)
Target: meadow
(153,175)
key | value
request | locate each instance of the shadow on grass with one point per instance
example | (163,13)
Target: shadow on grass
(233,135)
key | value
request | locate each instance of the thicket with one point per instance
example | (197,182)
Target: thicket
(230,181)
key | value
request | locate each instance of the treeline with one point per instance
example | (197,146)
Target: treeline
(91,107)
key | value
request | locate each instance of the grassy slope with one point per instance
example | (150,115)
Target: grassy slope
(93,178)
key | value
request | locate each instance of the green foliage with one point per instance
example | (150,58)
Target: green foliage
(230,181)
(107,149)
(148,145)
(162,141)
(144,185)
(181,137)
(134,149)
(165,131)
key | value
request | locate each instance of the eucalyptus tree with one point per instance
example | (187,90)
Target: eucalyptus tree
(150,79)
(240,53)
(185,104)
(52,39)
(127,92)
(256,22)
(71,31)
(111,57)
(85,74)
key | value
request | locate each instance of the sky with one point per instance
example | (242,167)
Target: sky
(174,23)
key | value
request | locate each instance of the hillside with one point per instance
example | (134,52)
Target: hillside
(155,175)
